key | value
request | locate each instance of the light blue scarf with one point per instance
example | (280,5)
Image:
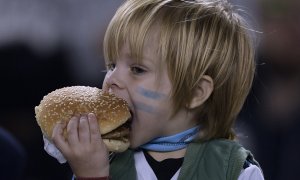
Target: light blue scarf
(172,143)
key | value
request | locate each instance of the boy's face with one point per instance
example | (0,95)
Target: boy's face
(148,96)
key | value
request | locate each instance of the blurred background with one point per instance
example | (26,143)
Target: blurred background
(44,45)
(49,44)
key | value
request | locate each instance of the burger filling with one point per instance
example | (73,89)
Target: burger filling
(121,133)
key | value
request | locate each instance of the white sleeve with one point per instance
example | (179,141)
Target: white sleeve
(251,173)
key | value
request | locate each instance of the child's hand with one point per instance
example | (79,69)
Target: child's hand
(83,147)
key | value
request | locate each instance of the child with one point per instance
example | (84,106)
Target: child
(185,69)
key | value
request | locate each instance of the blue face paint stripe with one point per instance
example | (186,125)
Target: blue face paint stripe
(150,94)
(144,107)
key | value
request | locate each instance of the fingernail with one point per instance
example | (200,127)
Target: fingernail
(60,122)
(91,115)
(83,118)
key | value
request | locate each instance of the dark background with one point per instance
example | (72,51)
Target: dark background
(44,45)
(49,44)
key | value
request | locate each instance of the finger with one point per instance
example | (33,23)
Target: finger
(58,137)
(84,130)
(72,130)
(94,128)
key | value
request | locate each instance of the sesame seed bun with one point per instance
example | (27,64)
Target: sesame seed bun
(62,104)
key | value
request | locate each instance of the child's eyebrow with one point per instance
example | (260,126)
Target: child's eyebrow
(151,94)
(145,60)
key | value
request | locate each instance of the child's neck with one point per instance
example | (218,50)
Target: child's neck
(160,156)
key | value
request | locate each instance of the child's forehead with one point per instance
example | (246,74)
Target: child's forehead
(150,47)
(148,53)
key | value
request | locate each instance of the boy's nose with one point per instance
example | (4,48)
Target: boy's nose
(113,81)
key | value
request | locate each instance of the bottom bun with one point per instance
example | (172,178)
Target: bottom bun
(114,145)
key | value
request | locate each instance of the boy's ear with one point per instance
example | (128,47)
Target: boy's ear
(202,92)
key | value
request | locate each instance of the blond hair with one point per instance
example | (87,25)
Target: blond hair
(196,38)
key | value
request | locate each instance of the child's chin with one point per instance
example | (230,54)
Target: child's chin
(134,144)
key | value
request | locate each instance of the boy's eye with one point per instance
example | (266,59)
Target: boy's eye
(137,70)
(111,66)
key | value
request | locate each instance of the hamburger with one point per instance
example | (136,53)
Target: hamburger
(112,113)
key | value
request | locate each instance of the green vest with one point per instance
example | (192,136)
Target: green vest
(211,160)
